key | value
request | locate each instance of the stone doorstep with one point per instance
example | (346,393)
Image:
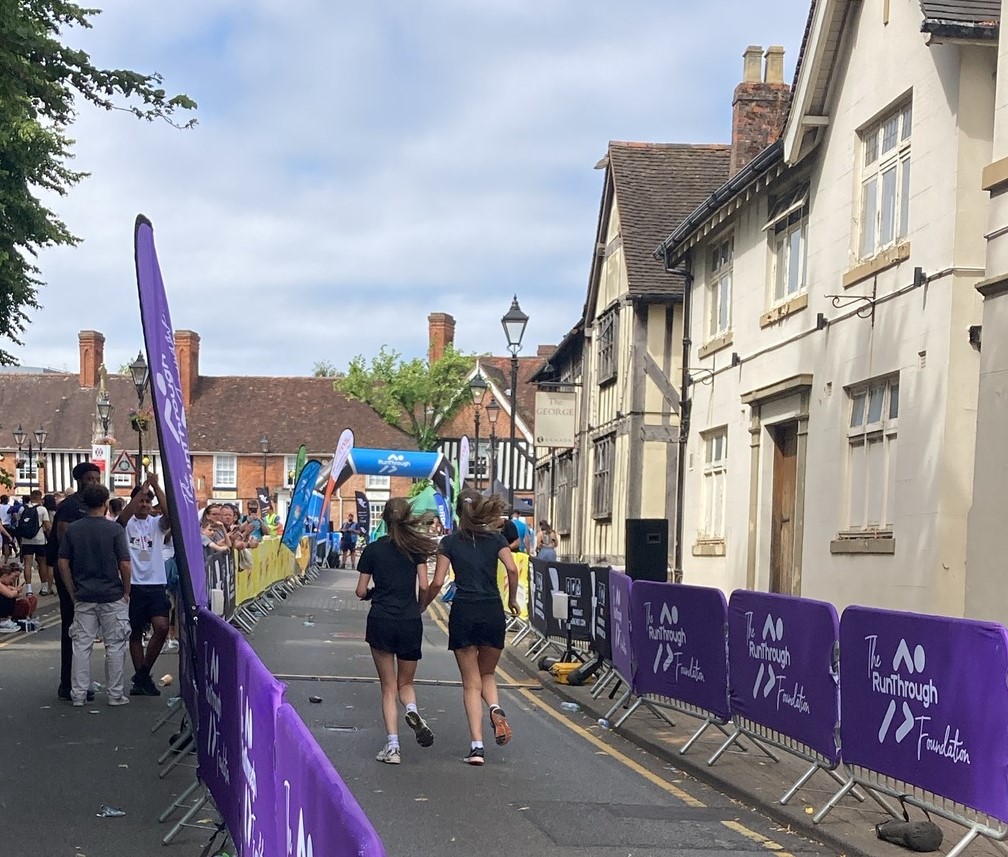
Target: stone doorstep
(752,778)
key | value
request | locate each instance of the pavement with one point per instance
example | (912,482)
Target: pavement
(564,786)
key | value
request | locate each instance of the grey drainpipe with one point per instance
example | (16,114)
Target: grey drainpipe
(685,407)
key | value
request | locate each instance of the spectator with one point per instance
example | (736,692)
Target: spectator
(270,516)
(69,510)
(15,603)
(524,542)
(174,587)
(145,533)
(8,542)
(349,533)
(258,528)
(33,531)
(510,532)
(547,542)
(94,563)
(115,507)
(213,535)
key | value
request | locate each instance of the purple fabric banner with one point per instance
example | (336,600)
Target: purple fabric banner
(924,700)
(260,697)
(679,645)
(172,432)
(316,811)
(219,736)
(187,670)
(620,588)
(782,651)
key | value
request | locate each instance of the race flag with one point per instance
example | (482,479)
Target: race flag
(463,460)
(363,512)
(298,509)
(340,457)
(299,463)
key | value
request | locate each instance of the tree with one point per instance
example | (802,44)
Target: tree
(41,80)
(412,395)
(324,369)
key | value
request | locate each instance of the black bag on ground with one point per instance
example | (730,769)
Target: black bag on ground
(914,835)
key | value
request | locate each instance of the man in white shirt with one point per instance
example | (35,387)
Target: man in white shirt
(146,528)
(33,530)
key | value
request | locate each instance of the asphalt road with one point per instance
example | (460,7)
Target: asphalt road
(562,787)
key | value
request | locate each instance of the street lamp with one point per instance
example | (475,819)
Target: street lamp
(493,411)
(513,322)
(40,435)
(140,373)
(478,388)
(264,446)
(105,410)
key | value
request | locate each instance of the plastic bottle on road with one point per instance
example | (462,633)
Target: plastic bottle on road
(570,706)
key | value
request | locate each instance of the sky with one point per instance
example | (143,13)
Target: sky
(357,166)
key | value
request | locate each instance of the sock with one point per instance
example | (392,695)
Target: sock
(411,706)
(393,740)
(477,745)
(28,589)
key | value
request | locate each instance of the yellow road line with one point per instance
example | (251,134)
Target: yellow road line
(768,844)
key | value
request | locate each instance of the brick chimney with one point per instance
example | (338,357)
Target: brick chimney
(92,356)
(545,351)
(187,354)
(760,103)
(441,333)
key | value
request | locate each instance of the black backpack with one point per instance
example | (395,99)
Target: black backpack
(28,523)
(913,835)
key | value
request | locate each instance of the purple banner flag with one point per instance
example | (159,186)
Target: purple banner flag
(924,700)
(783,653)
(678,639)
(170,419)
(620,588)
(316,811)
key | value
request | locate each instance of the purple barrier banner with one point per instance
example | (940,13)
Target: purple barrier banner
(924,700)
(187,671)
(620,588)
(260,697)
(219,737)
(677,636)
(316,811)
(170,419)
(782,651)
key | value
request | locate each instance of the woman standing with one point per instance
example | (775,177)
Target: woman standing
(547,545)
(397,563)
(476,622)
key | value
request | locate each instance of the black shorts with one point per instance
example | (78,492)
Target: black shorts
(476,623)
(146,602)
(348,546)
(33,550)
(402,637)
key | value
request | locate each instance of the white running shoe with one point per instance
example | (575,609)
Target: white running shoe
(389,755)
(171,646)
(9,627)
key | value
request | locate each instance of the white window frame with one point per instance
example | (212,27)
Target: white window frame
(720,262)
(28,473)
(715,484)
(290,468)
(885,182)
(787,231)
(377,508)
(377,482)
(222,464)
(871,434)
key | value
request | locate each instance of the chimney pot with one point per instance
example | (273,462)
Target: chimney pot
(92,356)
(545,351)
(774,69)
(752,64)
(187,344)
(441,334)
(759,105)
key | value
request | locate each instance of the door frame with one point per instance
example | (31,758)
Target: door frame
(784,401)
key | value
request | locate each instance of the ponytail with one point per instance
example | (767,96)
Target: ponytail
(478,514)
(407,531)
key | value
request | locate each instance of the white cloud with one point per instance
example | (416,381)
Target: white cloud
(358,166)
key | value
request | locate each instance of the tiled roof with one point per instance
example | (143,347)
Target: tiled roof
(498,371)
(657,185)
(962,11)
(228,414)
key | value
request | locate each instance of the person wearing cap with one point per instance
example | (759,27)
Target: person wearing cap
(68,511)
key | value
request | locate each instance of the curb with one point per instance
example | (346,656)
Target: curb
(704,773)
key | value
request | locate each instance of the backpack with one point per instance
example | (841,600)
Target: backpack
(28,523)
(913,835)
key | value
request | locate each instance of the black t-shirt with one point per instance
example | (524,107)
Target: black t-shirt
(474,561)
(510,532)
(70,510)
(395,580)
(94,547)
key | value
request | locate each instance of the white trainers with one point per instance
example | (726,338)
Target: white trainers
(118,700)
(9,627)
(171,646)
(389,755)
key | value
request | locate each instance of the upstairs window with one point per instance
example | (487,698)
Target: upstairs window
(885,182)
(787,228)
(714,483)
(719,288)
(871,440)
(607,356)
(225,471)
(602,486)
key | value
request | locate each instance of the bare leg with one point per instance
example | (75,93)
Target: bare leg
(385,664)
(472,689)
(156,643)
(404,679)
(487,659)
(29,561)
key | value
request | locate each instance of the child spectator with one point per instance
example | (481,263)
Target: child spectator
(15,603)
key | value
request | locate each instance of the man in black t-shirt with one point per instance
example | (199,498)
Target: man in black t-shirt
(510,531)
(70,510)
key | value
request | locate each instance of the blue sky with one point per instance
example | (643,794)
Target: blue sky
(360,165)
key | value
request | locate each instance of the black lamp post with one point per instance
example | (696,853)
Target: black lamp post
(514,322)
(264,446)
(493,411)
(40,438)
(477,386)
(105,410)
(140,373)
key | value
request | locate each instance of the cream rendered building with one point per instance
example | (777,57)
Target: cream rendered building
(834,380)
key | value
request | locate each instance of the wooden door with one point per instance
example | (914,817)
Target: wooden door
(782,534)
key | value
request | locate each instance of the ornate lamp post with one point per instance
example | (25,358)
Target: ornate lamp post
(140,373)
(105,410)
(493,411)
(513,322)
(264,446)
(477,387)
(40,435)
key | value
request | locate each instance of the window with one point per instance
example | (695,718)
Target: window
(290,470)
(377,509)
(27,469)
(564,492)
(719,288)
(377,483)
(885,182)
(225,470)
(715,457)
(871,437)
(607,356)
(602,477)
(788,231)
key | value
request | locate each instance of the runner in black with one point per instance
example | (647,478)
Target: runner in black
(476,623)
(397,563)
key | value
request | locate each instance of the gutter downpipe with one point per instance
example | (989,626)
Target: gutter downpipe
(685,408)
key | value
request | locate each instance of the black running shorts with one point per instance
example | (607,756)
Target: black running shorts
(402,637)
(146,602)
(476,623)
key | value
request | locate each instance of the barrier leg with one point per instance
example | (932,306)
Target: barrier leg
(857,794)
(720,751)
(804,778)
(693,738)
(833,801)
(179,802)
(657,712)
(521,635)
(616,707)
(962,844)
(636,704)
(185,819)
(174,707)
(602,682)
(183,738)
(174,763)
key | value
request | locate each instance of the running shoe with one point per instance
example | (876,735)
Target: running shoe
(424,735)
(9,627)
(171,646)
(502,731)
(389,755)
(118,700)
(475,757)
